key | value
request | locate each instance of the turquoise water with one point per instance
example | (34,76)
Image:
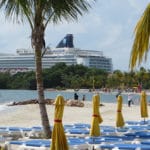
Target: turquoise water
(7,96)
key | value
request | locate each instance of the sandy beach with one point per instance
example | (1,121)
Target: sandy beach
(29,115)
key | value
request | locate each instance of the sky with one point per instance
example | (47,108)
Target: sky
(107,27)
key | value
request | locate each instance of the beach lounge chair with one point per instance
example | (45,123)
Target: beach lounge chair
(77,132)
(82,125)
(103,139)
(36,144)
(78,144)
(22,131)
(42,144)
(146,122)
(143,134)
(107,140)
(133,128)
(108,131)
(132,123)
(14,132)
(123,146)
(147,142)
(122,130)
(36,131)
(4,132)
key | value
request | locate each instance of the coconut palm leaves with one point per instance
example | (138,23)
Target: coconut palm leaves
(44,10)
(141,43)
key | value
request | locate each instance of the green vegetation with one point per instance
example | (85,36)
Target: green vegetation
(62,76)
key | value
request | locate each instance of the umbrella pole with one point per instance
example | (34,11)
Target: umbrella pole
(93,145)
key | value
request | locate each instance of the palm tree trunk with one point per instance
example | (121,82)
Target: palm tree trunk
(37,41)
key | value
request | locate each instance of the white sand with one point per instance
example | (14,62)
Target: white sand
(29,115)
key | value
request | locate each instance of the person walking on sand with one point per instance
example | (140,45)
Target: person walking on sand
(130,99)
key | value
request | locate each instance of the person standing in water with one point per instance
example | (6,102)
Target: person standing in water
(76,96)
(83,98)
(130,99)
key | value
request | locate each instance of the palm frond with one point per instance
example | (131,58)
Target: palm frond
(66,9)
(141,42)
(49,10)
(18,10)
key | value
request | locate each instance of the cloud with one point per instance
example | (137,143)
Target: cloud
(111,35)
(13,35)
(138,5)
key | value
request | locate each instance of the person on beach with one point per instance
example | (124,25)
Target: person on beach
(83,98)
(76,96)
(130,99)
(119,93)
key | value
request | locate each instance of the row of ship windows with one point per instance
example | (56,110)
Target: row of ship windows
(58,58)
(49,65)
(96,62)
(24,60)
(32,62)
(106,64)
(101,60)
(31,65)
(52,61)
(63,60)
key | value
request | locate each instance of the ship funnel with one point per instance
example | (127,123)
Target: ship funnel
(67,41)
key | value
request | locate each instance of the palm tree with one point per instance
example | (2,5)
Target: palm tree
(38,13)
(141,43)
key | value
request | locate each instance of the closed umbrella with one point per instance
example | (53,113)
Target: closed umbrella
(143,105)
(119,119)
(59,141)
(96,117)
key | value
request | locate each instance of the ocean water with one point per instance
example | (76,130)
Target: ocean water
(9,96)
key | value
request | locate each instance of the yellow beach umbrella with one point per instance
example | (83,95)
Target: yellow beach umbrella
(96,117)
(143,105)
(59,141)
(119,119)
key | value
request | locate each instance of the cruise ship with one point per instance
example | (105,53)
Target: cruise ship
(24,59)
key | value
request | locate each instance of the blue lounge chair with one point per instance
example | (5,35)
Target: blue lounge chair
(143,134)
(101,139)
(14,131)
(81,125)
(77,132)
(42,144)
(147,142)
(123,146)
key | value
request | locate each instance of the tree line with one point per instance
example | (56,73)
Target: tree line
(61,76)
